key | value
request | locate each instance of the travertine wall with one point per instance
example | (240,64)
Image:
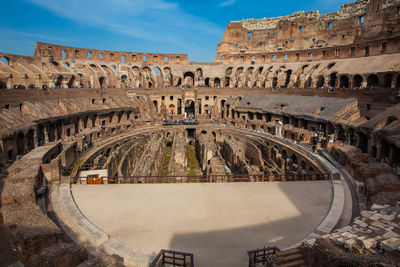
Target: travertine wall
(345,33)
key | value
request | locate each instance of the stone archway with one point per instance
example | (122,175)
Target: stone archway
(189,107)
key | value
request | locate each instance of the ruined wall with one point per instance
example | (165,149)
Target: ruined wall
(356,24)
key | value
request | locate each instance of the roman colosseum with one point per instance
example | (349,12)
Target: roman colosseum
(284,151)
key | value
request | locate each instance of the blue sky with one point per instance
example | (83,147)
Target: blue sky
(154,26)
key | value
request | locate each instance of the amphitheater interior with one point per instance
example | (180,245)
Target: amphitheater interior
(284,151)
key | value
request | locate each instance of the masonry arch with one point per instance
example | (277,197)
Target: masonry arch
(320,81)
(206,109)
(189,106)
(387,80)
(155,103)
(217,82)
(171,109)
(157,70)
(275,82)
(228,81)
(333,78)
(357,81)
(288,74)
(102,82)
(372,80)
(199,74)
(207,82)
(308,82)
(59,80)
(344,81)
(228,71)
(5,60)
(188,78)
(71,82)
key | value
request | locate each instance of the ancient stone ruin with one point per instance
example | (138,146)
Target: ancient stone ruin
(305,97)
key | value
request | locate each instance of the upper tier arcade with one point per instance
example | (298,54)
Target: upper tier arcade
(60,52)
(358,29)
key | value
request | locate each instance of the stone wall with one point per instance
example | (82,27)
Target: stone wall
(37,239)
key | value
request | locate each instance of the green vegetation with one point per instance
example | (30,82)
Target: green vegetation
(167,158)
(193,167)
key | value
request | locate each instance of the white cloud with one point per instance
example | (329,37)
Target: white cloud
(155,20)
(38,36)
(227,3)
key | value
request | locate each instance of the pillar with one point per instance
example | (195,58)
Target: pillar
(35,138)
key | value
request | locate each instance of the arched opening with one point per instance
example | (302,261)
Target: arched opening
(321,81)
(308,83)
(157,70)
(357,81)
(344,81)
(189,107)
(171,109)
(188,78)
(123,80)
(20,144)
(5,60)
(275,82)
(102,82)
(206,109)
(333,78)
(217,82)
(387,80)
(293,159)
(228,71)
(288,74)
(228,81)
(155,105)
(71,82)
(372,80)
(59,81)
(207,82)
(179,83)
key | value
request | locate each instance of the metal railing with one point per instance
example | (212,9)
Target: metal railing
(262,256)
(173,258)
(255,178)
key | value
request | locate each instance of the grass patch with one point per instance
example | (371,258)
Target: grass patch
(166,160)
(193,167)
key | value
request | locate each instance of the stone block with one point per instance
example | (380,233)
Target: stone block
(391,244)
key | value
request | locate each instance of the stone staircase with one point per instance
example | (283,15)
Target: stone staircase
(290,258)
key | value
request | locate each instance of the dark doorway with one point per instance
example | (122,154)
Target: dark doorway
(344,81)
(357,81)
(189,106)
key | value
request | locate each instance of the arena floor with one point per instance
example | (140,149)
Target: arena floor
(219,223)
